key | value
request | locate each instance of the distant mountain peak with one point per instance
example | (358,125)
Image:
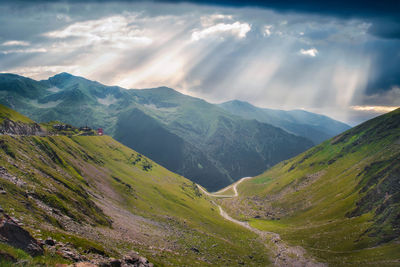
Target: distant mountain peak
(238,104)
(62,79)
(164,90)
(66,74)
(62,75)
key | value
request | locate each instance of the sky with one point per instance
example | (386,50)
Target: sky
(338,58)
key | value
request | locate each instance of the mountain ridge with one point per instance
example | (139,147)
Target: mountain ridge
(339,200)
(314,126)
(203,127)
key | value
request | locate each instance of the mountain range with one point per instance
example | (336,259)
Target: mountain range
(210,144)
(315,127)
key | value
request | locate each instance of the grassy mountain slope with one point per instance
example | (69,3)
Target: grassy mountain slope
(216,147)
(340,200)
(10,114)
(180,132)
(313,126)
(105,198)
(11,122)
(147,135)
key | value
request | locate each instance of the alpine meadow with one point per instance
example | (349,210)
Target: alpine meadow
(199,133)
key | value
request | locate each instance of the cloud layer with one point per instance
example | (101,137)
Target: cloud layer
(272,59)
(236,29)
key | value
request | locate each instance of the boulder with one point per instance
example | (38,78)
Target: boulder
(85,264)
(115,263)
(50,242)
(104,264)
(14,235)
(133,259)
(70,254)
(195,250)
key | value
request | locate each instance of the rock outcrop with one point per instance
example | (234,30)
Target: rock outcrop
(14,235)
(93,259)
(4,174)
(134,259)
(10,127)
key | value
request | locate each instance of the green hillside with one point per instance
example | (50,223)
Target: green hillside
(102,198)
(13,123)
(7,113)
(339,200)
(315,127)
(187,135)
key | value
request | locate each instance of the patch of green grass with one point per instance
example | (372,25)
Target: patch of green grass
(47,259)
(156,194)
(224,191)
(7,113)
(339,199)
(14,252)
(7,149)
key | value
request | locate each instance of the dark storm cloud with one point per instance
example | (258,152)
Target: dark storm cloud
(342,8)
(389,29)
(386,58)
(331,7)
(384,14)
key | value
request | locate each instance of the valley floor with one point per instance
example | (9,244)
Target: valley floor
(283,254)
(283,238)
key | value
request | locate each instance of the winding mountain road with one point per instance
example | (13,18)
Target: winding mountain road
(284,255)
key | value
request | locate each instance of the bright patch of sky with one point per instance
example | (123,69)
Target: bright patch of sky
(312,52)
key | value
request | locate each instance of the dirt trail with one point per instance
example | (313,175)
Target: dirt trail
(284,255)
(234,186)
